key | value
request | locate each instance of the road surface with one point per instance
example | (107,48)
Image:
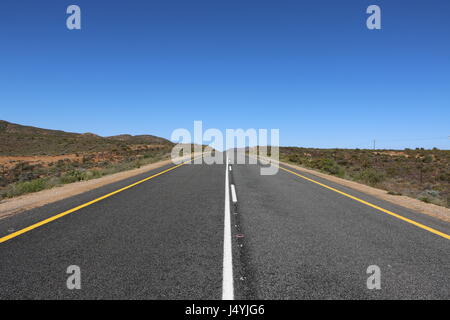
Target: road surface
(223,231)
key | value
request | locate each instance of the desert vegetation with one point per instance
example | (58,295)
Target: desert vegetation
(419,173)
(34,159)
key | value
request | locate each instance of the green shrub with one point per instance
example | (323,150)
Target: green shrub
(73,176)
(94,174)
(428,159)
(425,199)
(20,188)
(137,164)
(293,158)
(445,177)
(328,166)
(371,177)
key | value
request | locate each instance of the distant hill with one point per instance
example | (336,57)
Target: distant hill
(140,139)
(19,140)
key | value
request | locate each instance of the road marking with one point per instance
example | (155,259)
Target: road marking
(84,205)
(227,281)
(233,193)
(417,224)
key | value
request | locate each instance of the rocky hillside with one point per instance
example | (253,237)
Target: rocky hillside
(18,140)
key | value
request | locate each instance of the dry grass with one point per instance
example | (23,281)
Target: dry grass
(34,159)
(421,174)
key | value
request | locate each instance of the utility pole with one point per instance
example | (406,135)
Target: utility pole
(374,144)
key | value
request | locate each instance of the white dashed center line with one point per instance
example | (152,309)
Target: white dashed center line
(227,281)
(233,193)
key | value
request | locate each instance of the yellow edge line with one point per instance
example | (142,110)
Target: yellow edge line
(84,205)
(417,224)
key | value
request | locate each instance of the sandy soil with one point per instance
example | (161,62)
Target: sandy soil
(393,153)
(10,161)
(12,206)
(433,210)
(5,159)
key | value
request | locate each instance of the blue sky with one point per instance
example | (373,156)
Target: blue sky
(310,68)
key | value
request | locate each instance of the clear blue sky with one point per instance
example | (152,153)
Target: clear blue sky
(310,68)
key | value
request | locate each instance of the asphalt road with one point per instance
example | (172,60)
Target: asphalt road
(164,239)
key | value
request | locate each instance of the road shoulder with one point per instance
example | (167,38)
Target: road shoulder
(30,201)
(429,209)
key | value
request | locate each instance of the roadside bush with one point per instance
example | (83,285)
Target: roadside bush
(408,172)
(73,176)
(445,177)
(328,166)
(25,177)
(93,174)
(392,172)
(425,199)
(371,177)
(293,157)
(20,188)
(137,164)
